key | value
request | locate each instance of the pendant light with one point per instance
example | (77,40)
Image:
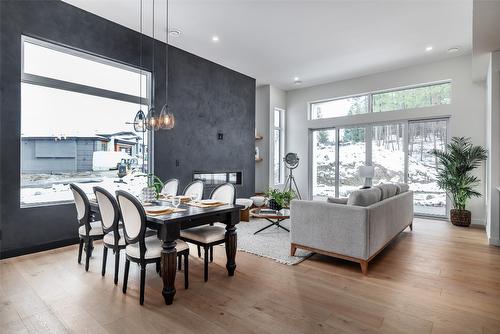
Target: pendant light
(152,121)
(166,118)
(140,118)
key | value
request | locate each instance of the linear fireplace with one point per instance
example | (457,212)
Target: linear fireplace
(213,179)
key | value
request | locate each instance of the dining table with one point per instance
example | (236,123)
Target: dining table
(168,227)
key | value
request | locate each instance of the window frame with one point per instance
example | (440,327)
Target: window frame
(38,80)
(370,95)
(282,130)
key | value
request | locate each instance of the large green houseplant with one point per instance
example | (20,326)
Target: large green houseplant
(456,164)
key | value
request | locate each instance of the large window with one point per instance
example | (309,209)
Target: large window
(340,107)
(399,152)
(278,146)
(397,99)
(418,97)
(76,122)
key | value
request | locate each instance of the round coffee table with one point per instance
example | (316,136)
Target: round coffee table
(274,217)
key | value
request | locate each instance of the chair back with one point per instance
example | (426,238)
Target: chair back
(195,187)
(134,220)
(110,213)
(224,193)
(170,187)
(82,207)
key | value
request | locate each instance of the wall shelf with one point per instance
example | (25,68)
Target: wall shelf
(258,159)
(258,137)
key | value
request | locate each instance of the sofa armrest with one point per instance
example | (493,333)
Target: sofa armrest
(335,228)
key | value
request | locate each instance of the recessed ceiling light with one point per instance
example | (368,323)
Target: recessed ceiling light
(215,38)
(297,81)
(174,32)
(453,49)
(429,48)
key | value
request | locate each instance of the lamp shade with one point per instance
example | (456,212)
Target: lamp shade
(366,171)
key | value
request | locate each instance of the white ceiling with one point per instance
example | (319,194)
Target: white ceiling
(318,41)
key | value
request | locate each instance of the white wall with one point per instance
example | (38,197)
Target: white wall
(493,144)
(467,110)
(262,129)
(267,98)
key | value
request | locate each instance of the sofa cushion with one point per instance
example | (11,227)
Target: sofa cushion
(364,197)
(402,188)
(387,190)
(335,200)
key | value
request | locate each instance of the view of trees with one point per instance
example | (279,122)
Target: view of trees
(387,146)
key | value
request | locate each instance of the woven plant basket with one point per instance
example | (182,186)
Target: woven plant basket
(460,217)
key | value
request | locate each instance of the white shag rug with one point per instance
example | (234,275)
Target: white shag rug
(273,243)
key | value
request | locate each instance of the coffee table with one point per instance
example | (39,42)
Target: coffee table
(274,217)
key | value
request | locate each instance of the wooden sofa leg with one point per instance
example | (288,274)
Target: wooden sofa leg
(364,267)
(293,249)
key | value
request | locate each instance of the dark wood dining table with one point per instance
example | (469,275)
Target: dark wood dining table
(169,227)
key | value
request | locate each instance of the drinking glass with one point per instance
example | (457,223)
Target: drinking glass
(194,196)
(176,201)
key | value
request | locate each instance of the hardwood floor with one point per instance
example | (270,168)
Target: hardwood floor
(438,278)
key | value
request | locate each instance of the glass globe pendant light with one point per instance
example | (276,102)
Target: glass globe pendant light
(166,118)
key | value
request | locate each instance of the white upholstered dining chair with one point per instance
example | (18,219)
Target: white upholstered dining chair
(170,187)
(208,236)
(141,249)
(113,235)
(196,187)
(88,229)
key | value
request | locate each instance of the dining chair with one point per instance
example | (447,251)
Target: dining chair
(141,249)
(208,236)
(88,229)
(196,187)
(170,187)
(113,235)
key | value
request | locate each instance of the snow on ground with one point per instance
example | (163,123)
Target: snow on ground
(389,167)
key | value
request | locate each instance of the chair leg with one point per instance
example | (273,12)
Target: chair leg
(179,262)
(125,275)
(87,255)
(117,264)
(104,258)
(143,283)
(199,250)
(186,271)
(211,254)
(80,250)
(158,267)
(205,267)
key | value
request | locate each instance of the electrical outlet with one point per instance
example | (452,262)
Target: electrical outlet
(177,163)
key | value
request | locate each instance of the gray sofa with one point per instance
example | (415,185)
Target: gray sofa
(356,228)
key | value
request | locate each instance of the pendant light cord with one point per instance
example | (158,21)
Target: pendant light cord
(154,72)
(140,57)
(167,60)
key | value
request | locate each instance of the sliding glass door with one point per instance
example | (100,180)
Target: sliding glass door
(352,155)
(388,153)
(324,166)
(399,151)
(423,137)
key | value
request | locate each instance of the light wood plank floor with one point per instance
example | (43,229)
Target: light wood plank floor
(438,278)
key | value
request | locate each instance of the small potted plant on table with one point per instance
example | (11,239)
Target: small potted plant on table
(456,164)
(278,200)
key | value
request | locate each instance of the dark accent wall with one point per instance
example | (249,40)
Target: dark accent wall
(204,96)
(208,99)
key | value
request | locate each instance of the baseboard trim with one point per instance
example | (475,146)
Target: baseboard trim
(38,248)
(494,241)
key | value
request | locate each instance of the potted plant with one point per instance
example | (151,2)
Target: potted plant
(153,189)
(456,164)
(279,199)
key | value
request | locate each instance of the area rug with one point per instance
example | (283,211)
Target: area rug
(273,243)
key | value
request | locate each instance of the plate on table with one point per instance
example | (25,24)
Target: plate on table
(209,201)
(158,208)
